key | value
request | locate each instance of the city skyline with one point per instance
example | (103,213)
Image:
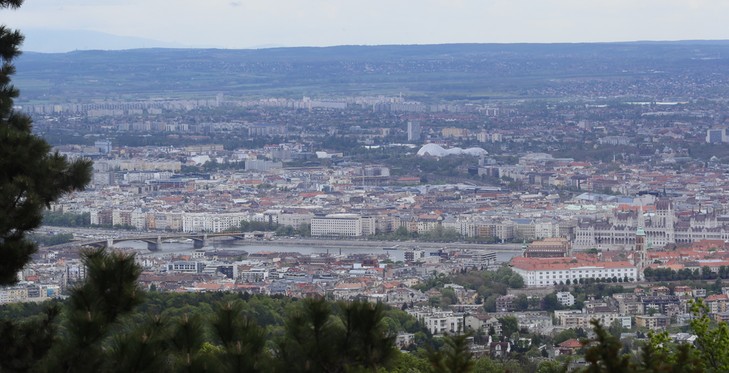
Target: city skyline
(285,23)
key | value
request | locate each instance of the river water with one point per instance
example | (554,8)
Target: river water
(176,248)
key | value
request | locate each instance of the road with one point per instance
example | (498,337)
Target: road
(325,242)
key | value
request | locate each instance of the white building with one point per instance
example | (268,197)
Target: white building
(347,225)
(566,298)
(212,222)
(294,219)
(185,267)
(413,131)
(439,322)
(541,272)
(579,319)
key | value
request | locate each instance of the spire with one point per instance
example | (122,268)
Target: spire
(641,217)
(639,253)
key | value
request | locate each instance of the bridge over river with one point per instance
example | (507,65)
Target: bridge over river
(154,242)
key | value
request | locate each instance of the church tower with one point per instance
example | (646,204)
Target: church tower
(640,253)
(670,230)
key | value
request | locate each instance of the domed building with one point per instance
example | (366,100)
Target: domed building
(435,150)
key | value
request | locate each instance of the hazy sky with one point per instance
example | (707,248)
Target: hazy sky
(252,23)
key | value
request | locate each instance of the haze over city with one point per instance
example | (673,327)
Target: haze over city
(53,26)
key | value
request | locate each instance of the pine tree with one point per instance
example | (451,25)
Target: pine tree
(310,342)
(31,176)
(24,343)
(320,340)
(366,341)
(92,313)
(454,357)
(140,348)
(605,356)
(242,339)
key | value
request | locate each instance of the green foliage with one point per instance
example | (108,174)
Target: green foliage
(551,303)
(67,219)
(438,234)
(51,239)
(713,340)
(366,341)
(596,290)
(94,307)
(454,357)
(522,302)
(31,176)
(408,363)
(250,226)
(185,349)
(318,341)
(303,230)
(20,311)
(487,365)
(448,297)
(24,343)
(659,354)
(400,234)
(553,367)
(138,349)
(565,335)
(485,282)
(668,274)
(516,281)
(710,352)
(605,355)
(509,325)
(488,284)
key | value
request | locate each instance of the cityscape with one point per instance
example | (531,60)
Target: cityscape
(528,206)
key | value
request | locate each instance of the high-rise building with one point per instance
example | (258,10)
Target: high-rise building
(413,131)
(717,135)
(639,255)
(103,146)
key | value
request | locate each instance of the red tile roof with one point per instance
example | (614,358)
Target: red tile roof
(571,343)
(534,264)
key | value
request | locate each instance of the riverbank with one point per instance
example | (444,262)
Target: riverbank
(397,245)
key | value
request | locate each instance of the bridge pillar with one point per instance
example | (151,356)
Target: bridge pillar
(109,243)
(200,242)
(155,245)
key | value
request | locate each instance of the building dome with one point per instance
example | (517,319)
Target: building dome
(435,150)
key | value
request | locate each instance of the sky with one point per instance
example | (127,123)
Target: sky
(263,23)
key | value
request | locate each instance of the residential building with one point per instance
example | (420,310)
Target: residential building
(565,298)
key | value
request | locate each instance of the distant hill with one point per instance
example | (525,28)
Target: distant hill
(59,41)
(448,71)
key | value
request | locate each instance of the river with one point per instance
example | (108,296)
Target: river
(504,253)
